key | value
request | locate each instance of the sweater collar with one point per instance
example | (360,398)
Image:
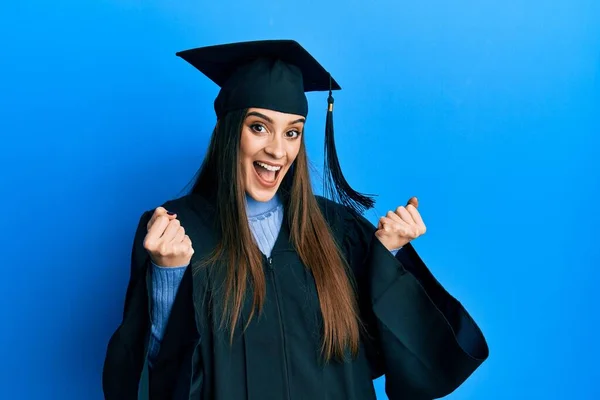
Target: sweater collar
(255,208)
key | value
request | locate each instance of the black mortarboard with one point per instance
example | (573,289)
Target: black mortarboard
(275,74)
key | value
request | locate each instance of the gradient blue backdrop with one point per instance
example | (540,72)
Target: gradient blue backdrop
(489,111)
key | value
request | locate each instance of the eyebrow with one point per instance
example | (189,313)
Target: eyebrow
(269,120)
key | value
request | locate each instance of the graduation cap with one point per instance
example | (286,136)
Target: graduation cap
(275,74)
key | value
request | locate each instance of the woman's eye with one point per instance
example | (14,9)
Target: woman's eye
(292,134)
(258,128)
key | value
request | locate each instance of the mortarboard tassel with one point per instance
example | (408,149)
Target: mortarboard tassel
(335,184)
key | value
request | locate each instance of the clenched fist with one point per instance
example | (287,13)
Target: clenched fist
(398,228)
(166,241)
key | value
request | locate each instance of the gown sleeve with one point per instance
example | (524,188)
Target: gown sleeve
(427,344)
(125,352)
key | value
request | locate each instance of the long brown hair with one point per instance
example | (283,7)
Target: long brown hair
(221,176)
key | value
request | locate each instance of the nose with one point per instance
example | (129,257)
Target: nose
(275,147)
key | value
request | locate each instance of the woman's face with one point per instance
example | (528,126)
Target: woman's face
(269,145)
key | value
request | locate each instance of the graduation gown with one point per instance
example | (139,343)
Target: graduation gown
(417,335)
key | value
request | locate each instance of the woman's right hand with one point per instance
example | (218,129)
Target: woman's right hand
(166,241)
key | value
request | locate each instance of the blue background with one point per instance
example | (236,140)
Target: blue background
(488,111)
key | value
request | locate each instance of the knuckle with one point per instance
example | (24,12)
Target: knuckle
(176,249)
(164,250)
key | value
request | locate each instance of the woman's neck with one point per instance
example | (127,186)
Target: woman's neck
(255,208)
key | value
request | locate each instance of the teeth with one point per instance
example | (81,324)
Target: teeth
(268,167)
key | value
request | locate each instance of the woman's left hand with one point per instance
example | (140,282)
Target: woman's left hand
(398,228)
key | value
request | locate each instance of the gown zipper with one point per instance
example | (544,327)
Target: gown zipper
(282,328)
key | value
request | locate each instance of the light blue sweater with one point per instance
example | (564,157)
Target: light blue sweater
(265,219)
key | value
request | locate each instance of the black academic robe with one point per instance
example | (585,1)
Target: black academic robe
(417,334)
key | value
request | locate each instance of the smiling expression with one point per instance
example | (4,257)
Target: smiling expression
(270,142)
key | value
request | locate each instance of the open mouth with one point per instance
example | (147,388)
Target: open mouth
(267,173)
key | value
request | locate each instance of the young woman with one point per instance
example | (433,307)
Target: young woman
(251,287)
